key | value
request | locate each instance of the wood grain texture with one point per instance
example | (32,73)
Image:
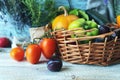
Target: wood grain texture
(12,70)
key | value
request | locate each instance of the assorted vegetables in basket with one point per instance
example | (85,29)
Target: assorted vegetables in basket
(88,41)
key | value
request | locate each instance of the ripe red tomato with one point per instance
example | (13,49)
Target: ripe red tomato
(33,53)
(17,53)
(48,46)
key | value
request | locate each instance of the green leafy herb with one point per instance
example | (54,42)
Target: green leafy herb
(33,8)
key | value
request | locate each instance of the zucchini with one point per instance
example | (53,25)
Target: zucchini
(99,18)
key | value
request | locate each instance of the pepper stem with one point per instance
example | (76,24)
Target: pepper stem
(63,8)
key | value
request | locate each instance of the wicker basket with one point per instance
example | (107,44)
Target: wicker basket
(97,53)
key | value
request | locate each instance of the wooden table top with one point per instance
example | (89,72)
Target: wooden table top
(13,70)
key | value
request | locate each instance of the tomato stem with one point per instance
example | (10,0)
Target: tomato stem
(46,34)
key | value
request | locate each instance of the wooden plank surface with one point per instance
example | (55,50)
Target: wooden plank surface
(13,70)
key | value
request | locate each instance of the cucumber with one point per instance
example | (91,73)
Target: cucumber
(99,18)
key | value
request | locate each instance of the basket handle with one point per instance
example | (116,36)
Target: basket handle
(104,35)
(98,36)
(93,37)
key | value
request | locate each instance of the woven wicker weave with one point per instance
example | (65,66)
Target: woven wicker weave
(98,53)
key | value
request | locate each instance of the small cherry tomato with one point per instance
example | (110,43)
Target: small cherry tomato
(48,46)
(17,53)
(33,53)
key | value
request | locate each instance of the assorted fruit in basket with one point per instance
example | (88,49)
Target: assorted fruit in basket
(85,23)
(102,35)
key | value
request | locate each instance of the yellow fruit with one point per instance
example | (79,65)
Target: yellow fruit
(118,20)
(63,20)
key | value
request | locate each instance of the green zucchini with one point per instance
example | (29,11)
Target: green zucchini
(99,18)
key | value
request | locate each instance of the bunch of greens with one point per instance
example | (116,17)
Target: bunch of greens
(41,12)
(33,8)
(49,11)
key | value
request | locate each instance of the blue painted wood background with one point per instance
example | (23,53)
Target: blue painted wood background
(9,29)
